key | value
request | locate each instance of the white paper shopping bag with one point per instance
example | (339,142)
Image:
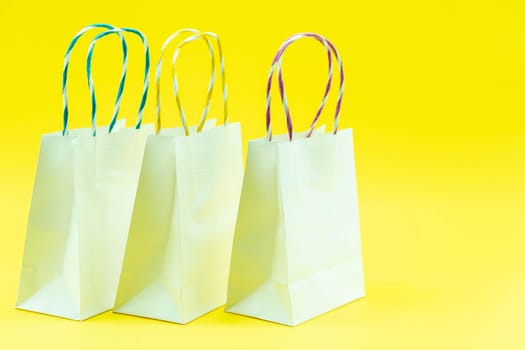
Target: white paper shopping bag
(297,250)
(178,251)
(83,196)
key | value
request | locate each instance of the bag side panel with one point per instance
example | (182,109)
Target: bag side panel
(258,274)
(150,282)
(319,194)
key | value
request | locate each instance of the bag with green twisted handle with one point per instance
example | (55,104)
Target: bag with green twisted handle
(83,195)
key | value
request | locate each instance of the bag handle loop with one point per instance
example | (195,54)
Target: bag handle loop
(67,58)
(211,84)
(159,68)
(277,62)
(122,81)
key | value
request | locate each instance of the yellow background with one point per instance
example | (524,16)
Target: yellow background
(435,94)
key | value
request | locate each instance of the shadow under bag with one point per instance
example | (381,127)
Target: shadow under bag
(297,249)
(83,195)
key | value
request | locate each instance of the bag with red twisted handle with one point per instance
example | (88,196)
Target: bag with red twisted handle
(297,247)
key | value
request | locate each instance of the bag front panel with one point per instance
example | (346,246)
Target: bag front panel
(318,192)
(107,169)
(150,283)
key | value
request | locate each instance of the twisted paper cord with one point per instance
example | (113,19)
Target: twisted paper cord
(210,85)
(159,69)
(145,88)
(122,81)
(278,62)
(66,69)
